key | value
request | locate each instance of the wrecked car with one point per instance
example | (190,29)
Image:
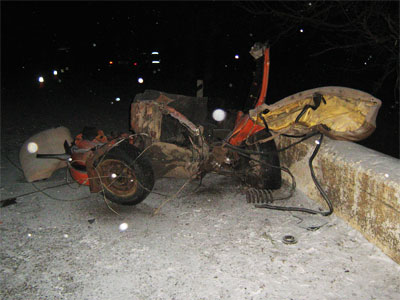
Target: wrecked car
(173,136)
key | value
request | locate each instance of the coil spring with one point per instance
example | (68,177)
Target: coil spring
(259,196)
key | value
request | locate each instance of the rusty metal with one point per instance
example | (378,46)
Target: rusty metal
(117,177)
(220,160)
(146,117)
(170,160)
(182,119)
(94,180)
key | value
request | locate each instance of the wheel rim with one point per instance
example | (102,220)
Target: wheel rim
(117,177)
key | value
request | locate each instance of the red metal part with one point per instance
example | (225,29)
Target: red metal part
(264,87)
(81,166)
(77,167)
(94,180)
(244,126)
(79,176)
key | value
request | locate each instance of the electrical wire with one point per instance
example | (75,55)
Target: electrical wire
(42,190)
(38,190)
(265,153)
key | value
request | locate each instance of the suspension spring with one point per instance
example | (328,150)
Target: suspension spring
(254,195)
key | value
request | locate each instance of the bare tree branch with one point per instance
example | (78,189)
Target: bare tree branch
(336,47)
(357,27)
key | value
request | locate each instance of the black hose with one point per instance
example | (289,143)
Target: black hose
(317,184)
(301,209)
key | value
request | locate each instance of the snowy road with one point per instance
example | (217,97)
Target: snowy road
(206,245)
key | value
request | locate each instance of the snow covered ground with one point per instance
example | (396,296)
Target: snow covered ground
(211,244)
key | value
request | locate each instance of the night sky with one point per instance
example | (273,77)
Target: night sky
(196,40)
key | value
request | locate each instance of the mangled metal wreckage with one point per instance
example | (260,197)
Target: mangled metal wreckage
(173,136)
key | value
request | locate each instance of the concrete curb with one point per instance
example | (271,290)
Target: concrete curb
(363,185)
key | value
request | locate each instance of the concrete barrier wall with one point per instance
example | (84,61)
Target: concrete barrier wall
(363,185)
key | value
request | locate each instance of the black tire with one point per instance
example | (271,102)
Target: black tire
(265,175)
(126,176)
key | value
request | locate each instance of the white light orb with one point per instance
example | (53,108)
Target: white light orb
(237,56)
(41,79)
(32,147)
(219,115)
(113,175)
(140,80)
(123,226)
(55,73)
(118,99)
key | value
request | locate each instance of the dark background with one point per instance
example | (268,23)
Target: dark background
(196,40)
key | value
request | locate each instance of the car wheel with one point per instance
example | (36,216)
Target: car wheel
(126,176)
(262,171)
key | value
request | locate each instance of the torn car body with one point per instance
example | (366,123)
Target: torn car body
(174,136)
(340,113)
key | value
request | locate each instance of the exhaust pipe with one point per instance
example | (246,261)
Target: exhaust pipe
(64,156)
